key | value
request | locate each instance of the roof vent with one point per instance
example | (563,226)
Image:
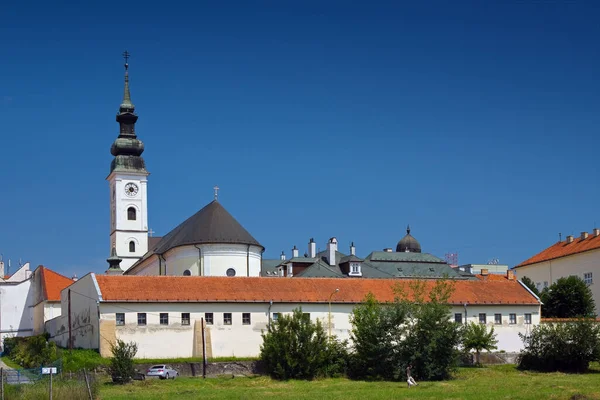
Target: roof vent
(431,269)
(570,239)
(584,235)
(596,232)
(387,250)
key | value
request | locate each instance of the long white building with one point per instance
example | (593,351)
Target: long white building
(164,314)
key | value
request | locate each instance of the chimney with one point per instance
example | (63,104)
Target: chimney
(584,235)
(331,249)
(312,248)
(484,271)
(387,250)
(510,275)
(282,256)
(74,278)
(570,239)
(1,269)
(596,232)
(352,249)
(294,252)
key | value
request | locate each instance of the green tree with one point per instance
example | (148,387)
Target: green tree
(430,340)
(372,335)
(476,337)
(296,348)
(568,297)
(121,363)
(563,346)
(529,283)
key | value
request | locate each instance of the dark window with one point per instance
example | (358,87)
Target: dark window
(230,272)
(185,318)
(497,318)
(528,318)
(246,318)
(187,272)
(275,316)
(227,318)
(132,247)
(131,214)
(141,318)
(208,317)
(512,318)
(458,318)
(120,318)
(482,318)
(164,318)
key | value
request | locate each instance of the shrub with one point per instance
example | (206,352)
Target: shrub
(431,340)
(31,352)
(476,337)
(568,297)
(372,337)
(296,348)
(79,359)
(529,283)
(121,364)
(564,346)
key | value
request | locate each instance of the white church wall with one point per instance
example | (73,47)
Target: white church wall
(240,340)
(181,259)
(16,309)
(244,259)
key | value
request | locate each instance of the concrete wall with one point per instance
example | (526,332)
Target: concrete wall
(238,340)
(548,272)
(16,311)
(84,316)
(43,312)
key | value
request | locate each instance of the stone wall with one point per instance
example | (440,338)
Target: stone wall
(233,368)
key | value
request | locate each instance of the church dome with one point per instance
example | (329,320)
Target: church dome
(408,243)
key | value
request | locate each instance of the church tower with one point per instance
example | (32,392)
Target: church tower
(128,186)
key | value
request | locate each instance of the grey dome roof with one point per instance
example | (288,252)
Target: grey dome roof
(408,243)
(212,224)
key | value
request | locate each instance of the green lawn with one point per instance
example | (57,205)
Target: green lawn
(498,382)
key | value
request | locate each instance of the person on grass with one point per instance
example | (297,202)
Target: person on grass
(409,379)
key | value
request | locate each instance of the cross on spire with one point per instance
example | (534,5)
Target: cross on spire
(126,56)
(216,189)
(151,232)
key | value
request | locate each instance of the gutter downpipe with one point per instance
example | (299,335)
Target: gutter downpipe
(160,257)
(248,261)
(270,305)
(465,305)
(200,269)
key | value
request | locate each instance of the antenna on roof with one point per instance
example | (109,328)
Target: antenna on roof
(559,237)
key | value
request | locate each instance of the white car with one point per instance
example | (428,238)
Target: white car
(162,371)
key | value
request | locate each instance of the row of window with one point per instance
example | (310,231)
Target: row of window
(588,278)
(512,318)
(185,318)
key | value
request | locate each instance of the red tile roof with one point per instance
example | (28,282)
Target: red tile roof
(562,249)
(53,283)
(310,290)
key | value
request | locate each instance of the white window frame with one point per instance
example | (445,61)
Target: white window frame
(588,278)
(527,318)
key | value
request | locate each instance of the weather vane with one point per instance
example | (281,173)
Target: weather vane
(216,189)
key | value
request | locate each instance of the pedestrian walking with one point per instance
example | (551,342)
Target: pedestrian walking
(409,379)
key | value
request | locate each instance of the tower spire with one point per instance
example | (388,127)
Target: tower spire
(126,105)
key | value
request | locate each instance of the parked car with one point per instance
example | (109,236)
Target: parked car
(162,371)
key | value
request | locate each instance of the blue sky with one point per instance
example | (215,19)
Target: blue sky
(475,122)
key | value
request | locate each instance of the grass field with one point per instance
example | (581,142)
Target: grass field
(498,382)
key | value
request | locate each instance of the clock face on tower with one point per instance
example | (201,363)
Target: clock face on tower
(131,189)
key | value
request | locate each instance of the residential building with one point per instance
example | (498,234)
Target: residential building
(16,299)
(226,315)
(477,269)
(573,256)
(46,303)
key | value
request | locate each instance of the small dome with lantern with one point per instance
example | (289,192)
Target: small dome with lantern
(408,243)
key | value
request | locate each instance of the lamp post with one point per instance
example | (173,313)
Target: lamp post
(330,296)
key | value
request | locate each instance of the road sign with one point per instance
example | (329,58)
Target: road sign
(48,370)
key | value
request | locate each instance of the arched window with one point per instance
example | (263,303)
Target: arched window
(187,272)
(132,247)
(131,214)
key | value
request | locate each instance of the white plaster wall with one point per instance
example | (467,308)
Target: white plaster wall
(21,274)
(206,260)
(507,334)
(238,340)
(16,309)
(576,264)
(44,311)
(84,314)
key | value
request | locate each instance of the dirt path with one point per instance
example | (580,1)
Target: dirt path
(13,376)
